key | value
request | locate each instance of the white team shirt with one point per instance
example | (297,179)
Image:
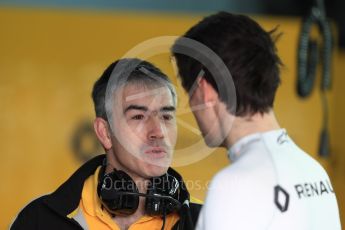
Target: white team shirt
(271,184)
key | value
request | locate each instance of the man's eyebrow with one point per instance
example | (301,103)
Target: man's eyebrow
(168,109)
(136,107)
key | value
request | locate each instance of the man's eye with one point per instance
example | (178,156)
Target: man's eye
(167,117)
(138,117)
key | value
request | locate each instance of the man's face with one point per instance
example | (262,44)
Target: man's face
(145,129)
(206,116)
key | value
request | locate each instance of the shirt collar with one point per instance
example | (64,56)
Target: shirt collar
(238,148)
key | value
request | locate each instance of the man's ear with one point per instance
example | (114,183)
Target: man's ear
(102,131)
(209,94)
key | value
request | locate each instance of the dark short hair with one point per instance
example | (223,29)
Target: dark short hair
(247,50)
(150,76)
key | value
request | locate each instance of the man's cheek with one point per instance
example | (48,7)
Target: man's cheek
(172,134)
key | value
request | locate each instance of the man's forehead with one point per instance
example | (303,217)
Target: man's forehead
(154,95)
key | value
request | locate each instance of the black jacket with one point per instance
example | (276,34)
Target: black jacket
(50,211)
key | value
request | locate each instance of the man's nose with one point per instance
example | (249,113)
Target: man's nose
(156,129)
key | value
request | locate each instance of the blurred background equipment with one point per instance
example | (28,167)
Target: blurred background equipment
(311,54)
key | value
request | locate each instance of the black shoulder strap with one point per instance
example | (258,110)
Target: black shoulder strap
(195,210)
(188,217)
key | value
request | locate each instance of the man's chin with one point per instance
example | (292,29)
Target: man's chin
(212,143)
(153,170)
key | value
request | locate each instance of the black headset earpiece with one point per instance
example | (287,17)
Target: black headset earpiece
(116,190)
(120,196)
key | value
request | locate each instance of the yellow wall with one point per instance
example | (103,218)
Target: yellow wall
(337,165)
(49,61)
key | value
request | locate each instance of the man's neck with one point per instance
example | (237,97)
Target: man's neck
(112,164)
(256,123)
(124,222)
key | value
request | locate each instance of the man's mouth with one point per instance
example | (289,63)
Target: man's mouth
(156,152)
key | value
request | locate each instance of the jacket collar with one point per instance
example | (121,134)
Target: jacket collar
(66,198)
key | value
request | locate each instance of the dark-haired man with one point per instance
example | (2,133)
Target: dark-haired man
(272,183)
(131,186)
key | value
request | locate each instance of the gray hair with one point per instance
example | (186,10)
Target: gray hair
(124,72)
